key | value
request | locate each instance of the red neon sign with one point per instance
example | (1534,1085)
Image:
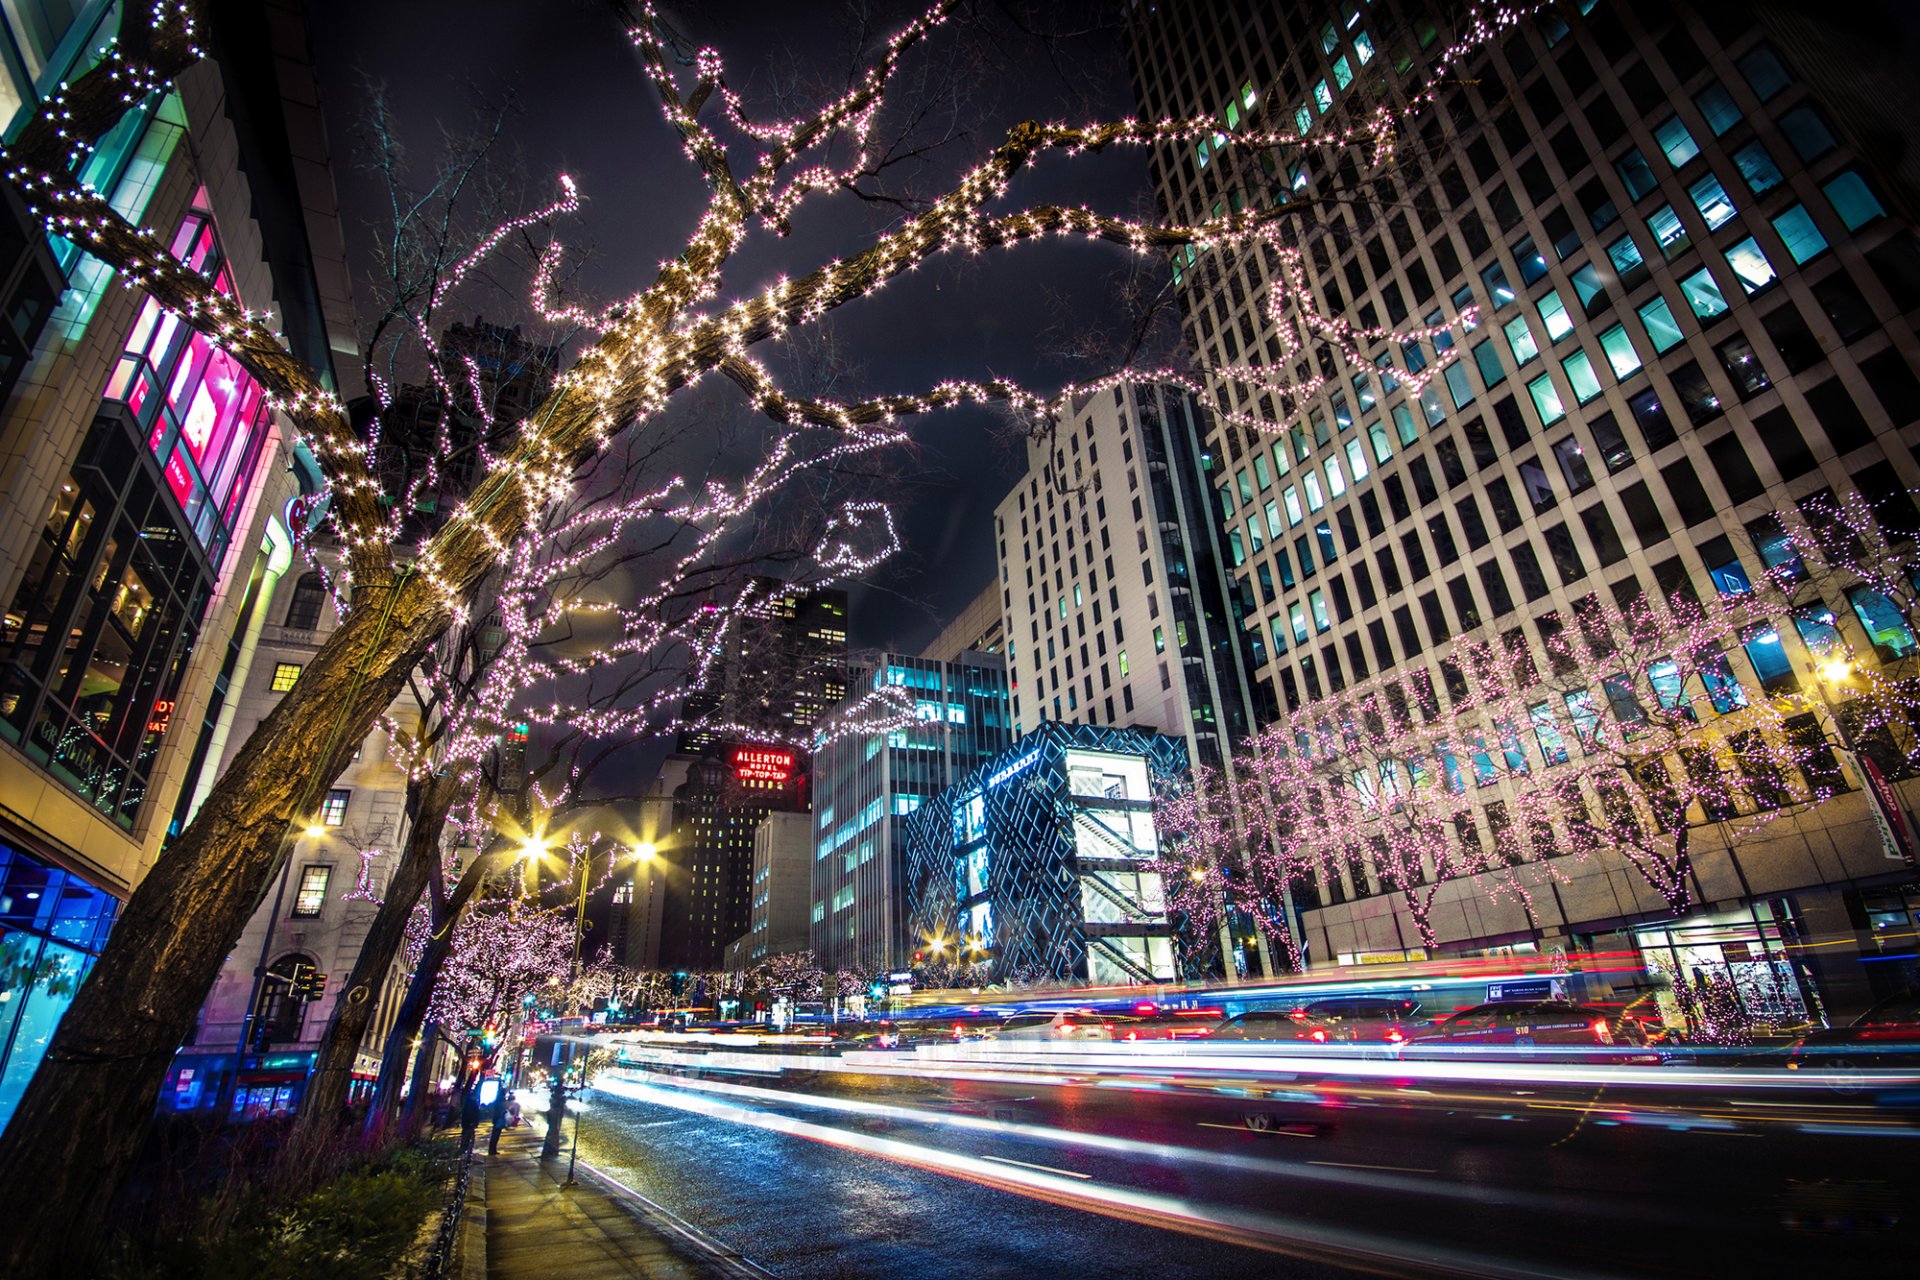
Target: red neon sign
(762,764)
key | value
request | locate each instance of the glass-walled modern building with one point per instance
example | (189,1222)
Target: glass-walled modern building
(1036,863)
(866,787)
(1689,251)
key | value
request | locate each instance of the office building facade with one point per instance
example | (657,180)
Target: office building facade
(782,888)
(1671,258)
(1117,610)
(869,784)
(1036,863)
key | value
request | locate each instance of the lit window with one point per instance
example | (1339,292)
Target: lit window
(1580,376)
(1662,328)
(1342,72)
(1553,313)
(1124,668)
(1802,238)
(285,676)
(1311,483)
(1750,264)
(1357,459)
(1323,97)
(1711,199)
(1587,286)
(1492,372)
(1703,295)
(1636,173)
(1382,445)
(1668,231)
(1318,603)
(1625,256)
(1159,640)
(1757,168)
(1717,106)
(333,810)
(1676,141)
(1619,350)
(1520,338)
(313,891)
(1546,400)
(1297,616)
(1336,482)
(1853,200)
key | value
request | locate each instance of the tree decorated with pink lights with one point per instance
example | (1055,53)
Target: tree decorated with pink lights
(502,951)
(69,1143)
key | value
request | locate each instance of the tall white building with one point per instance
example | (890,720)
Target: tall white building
(1117,608)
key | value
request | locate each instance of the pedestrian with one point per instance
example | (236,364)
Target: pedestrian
(498,1114)
(513,1111)
(469,1115)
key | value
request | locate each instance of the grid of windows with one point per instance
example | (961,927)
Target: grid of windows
(1695,301)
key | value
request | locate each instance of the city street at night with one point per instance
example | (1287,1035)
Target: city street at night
(959,640)
(832,1173)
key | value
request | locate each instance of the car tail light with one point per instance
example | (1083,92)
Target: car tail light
(1318,1033)
(1394,1036)
(1601,1032)
(1108,1028)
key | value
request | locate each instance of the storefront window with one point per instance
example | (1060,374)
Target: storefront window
(203,416)
(52,925)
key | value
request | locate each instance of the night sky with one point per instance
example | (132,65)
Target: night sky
(586,109)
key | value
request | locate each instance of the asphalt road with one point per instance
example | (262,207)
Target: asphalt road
(849,1175)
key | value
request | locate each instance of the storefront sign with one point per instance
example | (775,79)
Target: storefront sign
(1895,840)
(1001,774)
(1527,989)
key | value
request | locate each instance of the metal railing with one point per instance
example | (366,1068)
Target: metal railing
(440,1256)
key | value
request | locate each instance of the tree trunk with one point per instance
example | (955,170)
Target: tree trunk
(81,1119)
(395,1054)
(354,1009)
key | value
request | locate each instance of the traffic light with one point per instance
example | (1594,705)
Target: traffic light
(300,982)
(919,957)
(316,986)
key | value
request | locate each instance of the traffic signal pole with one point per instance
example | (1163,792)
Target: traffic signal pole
(223,1105)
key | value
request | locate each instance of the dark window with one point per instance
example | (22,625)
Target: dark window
(1526,563)
(1422,476)
(1791,338)
(1533,478)
(1696,393)
(1610,443)
(1442,534)
(1643,514)
(1893,382)
(1513,426)
(1410,645)
(1785,445)
(1841,299)
(1505,512)
(1736,472)
(1437,624)
(1499,599)
(303,612)
(1389,571)
(1601,533)
(1396,497)
(1471,521)
(1689,497)
(1566,556)
(1839,416)
(1416,556)
(1463,604)
(1656,428)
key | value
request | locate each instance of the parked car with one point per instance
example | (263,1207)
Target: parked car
(1886,1035)
(1538,1028)
(1361,1020)
(1074,1026)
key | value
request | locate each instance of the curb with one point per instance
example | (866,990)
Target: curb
(470,1250)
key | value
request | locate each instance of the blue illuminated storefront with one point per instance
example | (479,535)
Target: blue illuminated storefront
(52,925)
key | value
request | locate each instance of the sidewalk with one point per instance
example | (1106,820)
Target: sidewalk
(535,1227)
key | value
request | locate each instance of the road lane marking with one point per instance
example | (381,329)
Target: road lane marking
(1240,1128)
(1389,1168)
(1044,1168)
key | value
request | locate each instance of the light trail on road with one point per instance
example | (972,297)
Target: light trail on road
(1251,1228)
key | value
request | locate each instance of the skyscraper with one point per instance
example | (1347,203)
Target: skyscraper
(1117,609)
(1688,251)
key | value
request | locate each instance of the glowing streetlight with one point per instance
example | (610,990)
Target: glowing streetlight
(1836,670)
(533,847)
(315,830)
(646,851)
